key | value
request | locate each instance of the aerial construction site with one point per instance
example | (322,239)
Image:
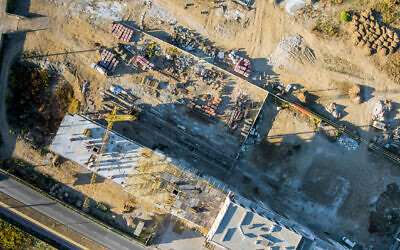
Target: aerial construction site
(209,124)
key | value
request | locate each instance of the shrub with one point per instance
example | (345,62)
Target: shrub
(74,106)
(325,29)
(345,16)
(12,237)
(389,10)
(27,85)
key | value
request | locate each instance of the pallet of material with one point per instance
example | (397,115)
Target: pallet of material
(121,32)
(143,62)
(108,60)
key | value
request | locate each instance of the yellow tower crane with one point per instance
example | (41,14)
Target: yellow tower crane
(110,118)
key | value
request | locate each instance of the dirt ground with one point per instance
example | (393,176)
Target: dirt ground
(77,179)
(311,179)
(318,182)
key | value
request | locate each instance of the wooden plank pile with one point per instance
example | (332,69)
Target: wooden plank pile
(121,32)
(238,114)
(108,60)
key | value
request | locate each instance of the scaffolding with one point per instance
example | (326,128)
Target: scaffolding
(155,180)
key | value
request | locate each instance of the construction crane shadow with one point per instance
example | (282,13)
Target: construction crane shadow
(84,179)
(61,53)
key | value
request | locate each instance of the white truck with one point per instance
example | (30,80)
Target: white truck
(379,125)
(348,242)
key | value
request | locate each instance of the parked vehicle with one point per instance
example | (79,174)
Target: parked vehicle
(379,125)
(348,242)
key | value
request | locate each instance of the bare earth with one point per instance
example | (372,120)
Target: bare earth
(295,170)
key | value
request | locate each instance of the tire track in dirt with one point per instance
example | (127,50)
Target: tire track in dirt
(257,30)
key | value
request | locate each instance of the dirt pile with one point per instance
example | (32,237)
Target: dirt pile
(371,35)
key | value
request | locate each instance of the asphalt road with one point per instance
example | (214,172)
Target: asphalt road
(65,216)
(22,221)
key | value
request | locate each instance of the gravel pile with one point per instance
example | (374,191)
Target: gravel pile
(291,49)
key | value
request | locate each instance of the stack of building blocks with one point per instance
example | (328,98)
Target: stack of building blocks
(242,67)
(143,63)
(121,32)
(108,60)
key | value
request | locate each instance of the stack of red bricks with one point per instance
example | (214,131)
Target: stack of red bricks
(243,67)
(143,63)
(108,60)
(121,32)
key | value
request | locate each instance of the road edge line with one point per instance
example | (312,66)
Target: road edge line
(41,225)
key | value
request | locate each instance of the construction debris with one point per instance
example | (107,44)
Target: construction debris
(121,32)
(209,76)
(396,133)
(238,113)
(380,110)
(184,39)
(331,108)
(212,52)
(386,210)
(347,142)
(176,65)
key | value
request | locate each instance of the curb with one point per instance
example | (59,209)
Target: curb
(15,211)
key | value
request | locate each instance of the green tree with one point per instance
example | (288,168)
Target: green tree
(345,16)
